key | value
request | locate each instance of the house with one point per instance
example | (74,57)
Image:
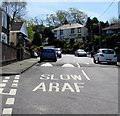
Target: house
(5,22)
(18,34)
(114,29)
(67,31)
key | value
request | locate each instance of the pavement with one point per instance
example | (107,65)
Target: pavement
(18,67)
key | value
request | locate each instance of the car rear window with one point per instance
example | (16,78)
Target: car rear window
(108,51)
(48,50)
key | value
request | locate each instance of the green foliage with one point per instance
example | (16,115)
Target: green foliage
(73,15)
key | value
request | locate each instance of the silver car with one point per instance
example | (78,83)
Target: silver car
(105,55)
(80,52)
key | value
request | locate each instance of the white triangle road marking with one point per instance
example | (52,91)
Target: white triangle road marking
(47,64)
(67,65)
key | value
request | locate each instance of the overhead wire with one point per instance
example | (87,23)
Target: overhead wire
(107,9)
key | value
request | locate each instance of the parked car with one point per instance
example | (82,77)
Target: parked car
(80,52)
(58,52)
(105,55)
(48,54)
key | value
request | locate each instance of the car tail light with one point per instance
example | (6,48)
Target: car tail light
(101,54)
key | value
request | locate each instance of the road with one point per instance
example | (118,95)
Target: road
(72,85)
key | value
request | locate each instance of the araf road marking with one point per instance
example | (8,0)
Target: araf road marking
(85,75)
(2,84)
(47,64)
(67,65)
(78,65)
(57,88)
(7,77)
(7,111)
(10,101)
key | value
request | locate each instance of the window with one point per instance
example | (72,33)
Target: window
(61,32)
(4,37)
(4,20)
(72,30)
(55,32)
(79,30)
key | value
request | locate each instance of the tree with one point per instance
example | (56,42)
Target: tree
(64,17)
(18,8)
(37,39)
(114,21)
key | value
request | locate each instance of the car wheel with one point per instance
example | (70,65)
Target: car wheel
(115,63)
(94,60)
(98,61)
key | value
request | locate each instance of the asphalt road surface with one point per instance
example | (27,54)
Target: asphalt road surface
(72,85)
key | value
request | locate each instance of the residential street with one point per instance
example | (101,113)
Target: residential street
(72,85)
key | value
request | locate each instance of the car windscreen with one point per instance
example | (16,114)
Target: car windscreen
(48,50)
(108,51)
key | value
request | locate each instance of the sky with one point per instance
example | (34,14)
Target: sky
(92,9)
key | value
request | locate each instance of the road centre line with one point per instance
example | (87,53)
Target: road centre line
(7,111)
(10,101)
(17,77)
(7,77)
(85,75)
(78,65)
(5,81)
(2,84)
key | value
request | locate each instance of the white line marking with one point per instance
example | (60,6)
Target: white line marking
(7,111)
(47,64)
(87,63)
(10,101)
(13,92)
(7,77)
(15,81)
(14,85)
(67,65)
(5,81)
(2,84)
(78,65)
(17,77)
(85,75)
(1,90)
(73,60)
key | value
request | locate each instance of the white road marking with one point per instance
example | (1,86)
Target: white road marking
(67,65)
(87,63)
(1,90)
(7,111)
(5,81)
(7,77)
(17,77)
(14,85)
(47,64)
(15,81)
(85,75)
(13,92)
(73,60)
(2,84)
(78,65)
(10,101)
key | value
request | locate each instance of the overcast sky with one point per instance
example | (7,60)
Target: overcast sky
(92,9)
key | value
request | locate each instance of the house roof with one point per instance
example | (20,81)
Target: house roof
(115,26)
(69,26)
(19,27)
(16,26)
